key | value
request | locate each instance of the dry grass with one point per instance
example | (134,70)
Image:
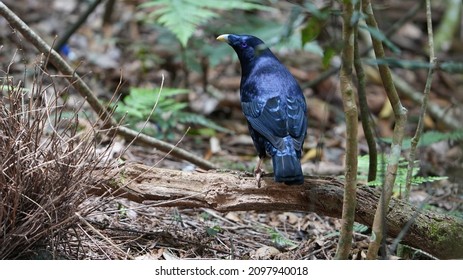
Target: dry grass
(46,168)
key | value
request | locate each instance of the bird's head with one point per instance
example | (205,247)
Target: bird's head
(247,47)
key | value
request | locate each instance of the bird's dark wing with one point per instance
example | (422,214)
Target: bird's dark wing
(297,120)
(266,117)
(275,119)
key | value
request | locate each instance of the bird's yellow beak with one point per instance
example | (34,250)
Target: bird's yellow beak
(223,38)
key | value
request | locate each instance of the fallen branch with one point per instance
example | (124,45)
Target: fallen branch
(434,233)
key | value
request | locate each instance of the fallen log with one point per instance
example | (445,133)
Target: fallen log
(437,234)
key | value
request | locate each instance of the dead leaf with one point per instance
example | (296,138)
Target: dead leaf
(386,111)
(311,154)
(214,143)
(318,110)
(169,256)
(154,255)
(265,253)
(288,217)
(234,216)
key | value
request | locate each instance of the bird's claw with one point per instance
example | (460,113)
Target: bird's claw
(258,173)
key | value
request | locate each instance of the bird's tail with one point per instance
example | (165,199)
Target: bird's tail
(287,166)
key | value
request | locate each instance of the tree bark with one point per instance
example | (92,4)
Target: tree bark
(437,234)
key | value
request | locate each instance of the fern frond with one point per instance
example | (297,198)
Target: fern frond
(192,118)
(431,137)
(363,163)
(182,17)
(137,107)
(279,240)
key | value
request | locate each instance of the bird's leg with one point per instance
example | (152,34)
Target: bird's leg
(258,171)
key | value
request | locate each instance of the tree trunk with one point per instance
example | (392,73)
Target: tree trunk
(437,234)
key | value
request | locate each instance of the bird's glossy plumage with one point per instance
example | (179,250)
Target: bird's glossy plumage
(273,105)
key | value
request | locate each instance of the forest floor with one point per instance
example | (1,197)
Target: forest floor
(122,229)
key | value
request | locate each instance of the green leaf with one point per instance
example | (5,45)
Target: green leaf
(169,112)
(399,63)
(451,67)
(321,14)
(363,164)
(279,240)
(183,17)
(186,117)
(376,33)
(311,30)
(360,228)
(328,54)
(431,137)
(122,210)
(356,16)
(212,231)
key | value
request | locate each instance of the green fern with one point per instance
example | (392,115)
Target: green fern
(169,112)
(431,137)
(363,163)
(182,17)
(426,139)
(360,228)
(279,240)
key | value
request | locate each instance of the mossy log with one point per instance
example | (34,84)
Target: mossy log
(437,234)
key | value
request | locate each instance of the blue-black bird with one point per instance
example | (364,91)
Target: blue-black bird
(274,106)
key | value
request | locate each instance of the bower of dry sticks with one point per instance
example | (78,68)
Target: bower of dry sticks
(45,168)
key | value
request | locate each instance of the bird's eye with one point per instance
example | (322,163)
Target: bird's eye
(244,45)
